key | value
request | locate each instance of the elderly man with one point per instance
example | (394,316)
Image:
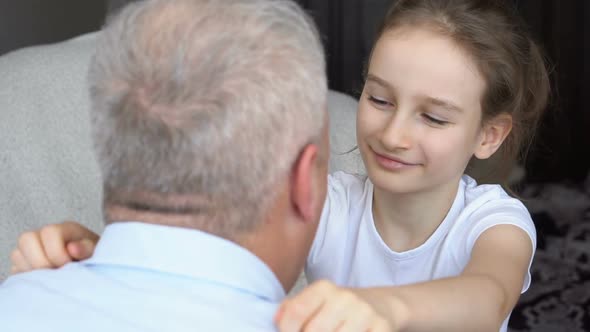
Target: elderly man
(209,123)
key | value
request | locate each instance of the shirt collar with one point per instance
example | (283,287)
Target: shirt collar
(186,252)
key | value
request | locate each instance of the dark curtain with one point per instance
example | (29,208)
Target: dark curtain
(32,22)
(348,28)
(562,146)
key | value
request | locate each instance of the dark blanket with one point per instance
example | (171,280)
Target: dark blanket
(559,297)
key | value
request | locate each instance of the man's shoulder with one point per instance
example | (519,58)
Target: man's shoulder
(38,300)
(37,277)
(120,299)
(46,284)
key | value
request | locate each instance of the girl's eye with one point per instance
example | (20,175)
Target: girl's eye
(378,102)
(434,120)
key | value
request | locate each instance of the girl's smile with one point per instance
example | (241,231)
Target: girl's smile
(392,163)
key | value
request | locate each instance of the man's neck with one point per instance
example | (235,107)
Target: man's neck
(278,247)
(262,242)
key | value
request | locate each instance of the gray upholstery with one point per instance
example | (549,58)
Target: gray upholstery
(48,169)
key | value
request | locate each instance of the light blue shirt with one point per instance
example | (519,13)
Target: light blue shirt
(146,277)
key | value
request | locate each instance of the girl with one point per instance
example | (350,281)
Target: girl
(448,82)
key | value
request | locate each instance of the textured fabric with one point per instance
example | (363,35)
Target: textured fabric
(349,251)
(47,164)
(49,173)
(559,296)
(146,277)
(344,155)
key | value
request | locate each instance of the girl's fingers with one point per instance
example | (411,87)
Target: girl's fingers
(52,239)
(81,249)
(52,246)
(381,325)
(330,317)
(362,320)
(344,311)
(31,248)
(19,263)
(294,313)
(325,307)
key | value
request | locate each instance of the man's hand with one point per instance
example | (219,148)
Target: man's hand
(323,306)
(52,246)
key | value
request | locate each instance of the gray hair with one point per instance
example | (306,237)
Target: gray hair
(114,5)
(208,98)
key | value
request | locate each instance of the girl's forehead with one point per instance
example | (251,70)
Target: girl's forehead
(423,45)
(426,62)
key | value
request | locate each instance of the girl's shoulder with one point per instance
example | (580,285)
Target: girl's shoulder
(346,179)
(347,200)
(347,186)
(486,206)
(482,197)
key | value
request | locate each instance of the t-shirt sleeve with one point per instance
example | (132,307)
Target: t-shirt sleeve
(333,226)
(334,206)
(508,211)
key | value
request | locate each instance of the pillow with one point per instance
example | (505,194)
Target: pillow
(344,154)
(47,164)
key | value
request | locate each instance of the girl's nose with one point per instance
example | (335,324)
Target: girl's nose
(397,134)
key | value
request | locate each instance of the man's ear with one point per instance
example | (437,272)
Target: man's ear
(302,182)
(492,135)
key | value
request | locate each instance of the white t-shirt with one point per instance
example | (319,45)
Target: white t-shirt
(349,251)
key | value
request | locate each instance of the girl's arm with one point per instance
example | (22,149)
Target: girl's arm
(479,299)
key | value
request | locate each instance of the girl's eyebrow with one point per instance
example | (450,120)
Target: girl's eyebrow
(431,100)
(379,81)
(443,103)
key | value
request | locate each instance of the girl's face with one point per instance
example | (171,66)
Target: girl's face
(418,123)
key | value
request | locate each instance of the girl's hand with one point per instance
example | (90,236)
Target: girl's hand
(323,306)
(52,246)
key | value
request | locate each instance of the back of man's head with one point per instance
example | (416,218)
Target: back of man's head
(200,107)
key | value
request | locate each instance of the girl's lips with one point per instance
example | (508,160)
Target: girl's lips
(392,163)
